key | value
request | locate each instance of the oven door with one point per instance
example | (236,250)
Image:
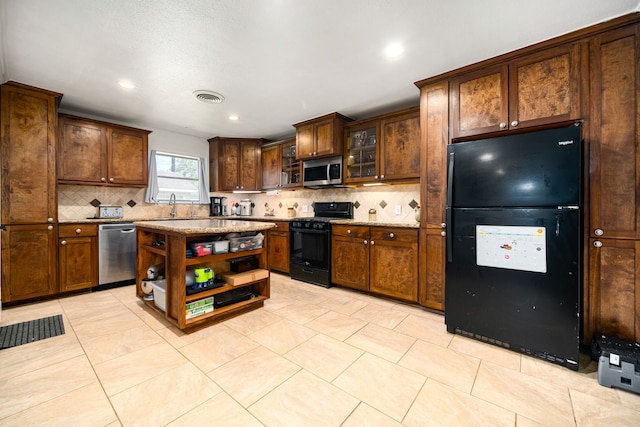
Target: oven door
(310,248)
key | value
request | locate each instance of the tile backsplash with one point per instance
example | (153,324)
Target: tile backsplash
(78,201)
(75,202)
(383,199)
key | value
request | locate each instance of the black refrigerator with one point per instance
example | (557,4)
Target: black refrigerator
(513,271)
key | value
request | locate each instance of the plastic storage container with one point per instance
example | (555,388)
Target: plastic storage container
(202,248)
(245,243)
(220,246)
(160,293)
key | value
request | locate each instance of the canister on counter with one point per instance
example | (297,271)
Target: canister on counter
(372,215)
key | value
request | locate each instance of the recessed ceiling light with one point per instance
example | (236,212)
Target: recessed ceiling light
(208,96)
(126,84)
(393,50)
(233,117)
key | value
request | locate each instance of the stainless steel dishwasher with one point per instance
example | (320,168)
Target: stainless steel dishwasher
(116,254)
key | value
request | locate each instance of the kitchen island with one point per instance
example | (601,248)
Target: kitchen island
(168,245)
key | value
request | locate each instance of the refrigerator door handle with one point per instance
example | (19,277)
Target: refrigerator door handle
(557,225)
(450,181)
(449,236)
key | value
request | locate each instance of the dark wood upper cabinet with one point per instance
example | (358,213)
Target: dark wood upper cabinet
(614,135)
(383,148)
(400,145)
(280,168)
(98,153)
(480,101)
(536,89)
(320,137)
(27,154)
(235,164)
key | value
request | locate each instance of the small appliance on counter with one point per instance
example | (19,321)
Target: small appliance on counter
(109,211)
(246,207)
(217,206)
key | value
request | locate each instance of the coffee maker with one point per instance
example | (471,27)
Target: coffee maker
(217,207)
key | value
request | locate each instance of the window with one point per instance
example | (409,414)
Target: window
(176,174)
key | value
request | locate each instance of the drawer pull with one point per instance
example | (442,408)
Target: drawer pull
(78,231)
(391,235)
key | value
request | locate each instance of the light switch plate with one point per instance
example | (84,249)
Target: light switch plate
(305,208)
(398,210)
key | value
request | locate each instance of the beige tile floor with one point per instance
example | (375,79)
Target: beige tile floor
(311,357)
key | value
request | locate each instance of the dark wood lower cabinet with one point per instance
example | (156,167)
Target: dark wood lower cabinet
(382,260)
(278,251)
(614,294)
(394,263)
(350,256)
(432,262)
(29,260)
(77,257)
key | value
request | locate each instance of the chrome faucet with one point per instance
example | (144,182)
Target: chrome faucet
(172,203)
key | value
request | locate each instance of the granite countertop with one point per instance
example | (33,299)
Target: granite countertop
(205,226)
(236,218)
(170,218)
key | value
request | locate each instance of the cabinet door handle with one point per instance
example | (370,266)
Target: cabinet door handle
(348,231)
(443,233)
(50,227)
(598,232)
(103,179)
(365,242)
(597,244)
(111,180)
(443,225)
(49,219)
(64,242)
(503,125)
(514,123)
(373,243)
(381,176)
(375,177)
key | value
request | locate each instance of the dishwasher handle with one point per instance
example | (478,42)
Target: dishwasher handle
(128,227)
(128,230)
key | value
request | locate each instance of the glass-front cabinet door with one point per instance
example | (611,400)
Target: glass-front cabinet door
(361,152)
(291,173)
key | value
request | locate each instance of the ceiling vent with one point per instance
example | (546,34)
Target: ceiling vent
(208,96)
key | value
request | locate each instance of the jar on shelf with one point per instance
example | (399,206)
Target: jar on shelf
(372,214)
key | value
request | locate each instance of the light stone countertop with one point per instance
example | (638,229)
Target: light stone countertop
(236,218)
(205,226)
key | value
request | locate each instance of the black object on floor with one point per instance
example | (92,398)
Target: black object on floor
(33,330)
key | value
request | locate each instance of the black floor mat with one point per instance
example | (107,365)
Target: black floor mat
(33,330)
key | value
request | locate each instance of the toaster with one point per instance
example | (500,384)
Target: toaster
(109,211)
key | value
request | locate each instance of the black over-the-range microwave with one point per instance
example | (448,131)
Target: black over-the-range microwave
(322,172)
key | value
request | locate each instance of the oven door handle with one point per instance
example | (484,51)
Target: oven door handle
(308,231)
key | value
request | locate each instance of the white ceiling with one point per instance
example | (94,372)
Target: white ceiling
(277,62)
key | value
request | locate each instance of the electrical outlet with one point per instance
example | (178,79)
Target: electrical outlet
(305,208)
(398,210)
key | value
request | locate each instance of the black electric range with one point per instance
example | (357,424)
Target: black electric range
(311,242)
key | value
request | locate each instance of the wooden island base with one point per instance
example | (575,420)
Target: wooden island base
(166,242)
